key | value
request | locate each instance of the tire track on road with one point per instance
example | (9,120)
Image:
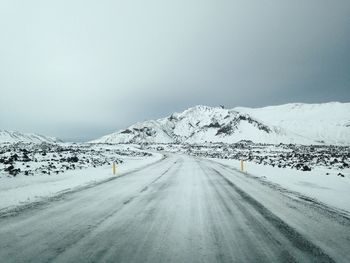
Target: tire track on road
(342,217)
(297,239)
(113,213)
(11,212)
(244,225)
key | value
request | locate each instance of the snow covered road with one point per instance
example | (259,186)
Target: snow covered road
(180,209)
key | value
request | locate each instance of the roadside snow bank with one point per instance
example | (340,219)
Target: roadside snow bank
(26,189)
(321,183)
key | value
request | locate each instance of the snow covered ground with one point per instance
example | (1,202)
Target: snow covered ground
(318,173)
(321,184)
(22,189)
(52,158)
(299,157)
(180,209)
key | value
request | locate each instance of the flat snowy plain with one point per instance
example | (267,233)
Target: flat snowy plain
(172,207)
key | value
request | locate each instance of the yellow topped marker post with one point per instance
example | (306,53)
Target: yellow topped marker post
(114,168)
(242,166)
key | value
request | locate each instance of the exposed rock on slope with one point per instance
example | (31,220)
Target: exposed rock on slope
(291,123)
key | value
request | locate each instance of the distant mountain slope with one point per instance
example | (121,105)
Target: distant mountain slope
(290,123)
(327,122)
(14,136)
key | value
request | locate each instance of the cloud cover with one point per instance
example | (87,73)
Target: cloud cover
(81,69)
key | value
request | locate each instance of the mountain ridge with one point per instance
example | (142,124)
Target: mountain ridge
(287,123)
(7,136)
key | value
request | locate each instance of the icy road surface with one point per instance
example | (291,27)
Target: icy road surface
(180,209)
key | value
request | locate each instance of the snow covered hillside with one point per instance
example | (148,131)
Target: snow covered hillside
(14,136)
(327,123)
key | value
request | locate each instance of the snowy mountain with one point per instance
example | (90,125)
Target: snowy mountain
(291,123)
(14,136)
(326,122)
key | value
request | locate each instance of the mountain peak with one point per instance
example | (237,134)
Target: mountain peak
(289,123)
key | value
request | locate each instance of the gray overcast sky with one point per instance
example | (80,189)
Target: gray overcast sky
(80,69)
